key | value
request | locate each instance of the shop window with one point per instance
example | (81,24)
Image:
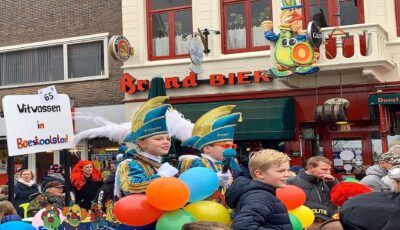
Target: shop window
(169,24)
(325,13)
(103,153)
(397,10)
(241,25)
(377,144)
(347,154)
(45,63)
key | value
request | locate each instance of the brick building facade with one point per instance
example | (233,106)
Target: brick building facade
(37,21)
(36,26)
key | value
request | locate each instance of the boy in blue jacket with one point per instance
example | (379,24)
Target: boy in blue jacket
(255,202)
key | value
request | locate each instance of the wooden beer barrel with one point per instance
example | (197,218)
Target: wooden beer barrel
(330,113)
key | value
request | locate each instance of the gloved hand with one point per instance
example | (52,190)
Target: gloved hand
(223,178)
(167,170)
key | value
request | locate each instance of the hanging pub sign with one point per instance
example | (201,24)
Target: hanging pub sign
(131,85)
(120,48)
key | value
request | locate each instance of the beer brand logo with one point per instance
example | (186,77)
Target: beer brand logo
(120,48)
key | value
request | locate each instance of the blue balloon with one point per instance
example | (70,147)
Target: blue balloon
(202,182)
(16,225)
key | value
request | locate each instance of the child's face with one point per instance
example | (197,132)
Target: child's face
(215,150)
(276,175)
(157,145)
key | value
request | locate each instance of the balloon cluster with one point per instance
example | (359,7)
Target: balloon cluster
(166,198)
(293,198)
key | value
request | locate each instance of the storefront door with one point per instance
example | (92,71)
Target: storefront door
(348,150)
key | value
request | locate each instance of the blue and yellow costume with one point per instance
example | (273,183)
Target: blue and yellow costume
(217,125)
(135,173)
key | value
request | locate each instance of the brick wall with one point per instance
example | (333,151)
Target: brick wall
(27,21)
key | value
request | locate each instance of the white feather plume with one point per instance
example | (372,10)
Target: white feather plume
(177,125)
(114,132)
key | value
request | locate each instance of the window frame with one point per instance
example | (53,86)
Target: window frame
(63,42)
(397,12)
(248,48)
(171,30)
(332,7)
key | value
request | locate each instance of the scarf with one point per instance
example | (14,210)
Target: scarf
(30,183)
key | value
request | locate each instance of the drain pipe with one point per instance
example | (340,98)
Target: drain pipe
(383,128)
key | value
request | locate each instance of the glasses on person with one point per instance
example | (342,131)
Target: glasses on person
(226,145)
(59,188)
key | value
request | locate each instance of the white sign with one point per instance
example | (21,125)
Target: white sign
(36,127)
(48,94)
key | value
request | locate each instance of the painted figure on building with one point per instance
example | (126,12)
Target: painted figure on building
(292,49)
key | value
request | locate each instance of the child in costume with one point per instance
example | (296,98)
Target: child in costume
(150,134)
(213,135)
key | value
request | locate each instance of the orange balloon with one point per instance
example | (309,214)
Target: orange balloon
(135,210)
(167,193)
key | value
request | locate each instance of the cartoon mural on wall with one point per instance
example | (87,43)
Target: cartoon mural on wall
(292,49)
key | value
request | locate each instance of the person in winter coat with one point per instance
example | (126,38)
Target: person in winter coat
(86,181)
(53,195)
(375,210)
(8,212)
(54,173)
(375,173)
(106,191)
(3,192)
(254,201)
(316,181)
(25,190)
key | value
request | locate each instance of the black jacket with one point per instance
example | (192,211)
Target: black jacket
(256,206)
(23,193)
(87,194)
(106,191)
(376,210)
(317,191)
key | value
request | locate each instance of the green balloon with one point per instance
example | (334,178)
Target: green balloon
(350,179)
(174,220)
(296,224)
